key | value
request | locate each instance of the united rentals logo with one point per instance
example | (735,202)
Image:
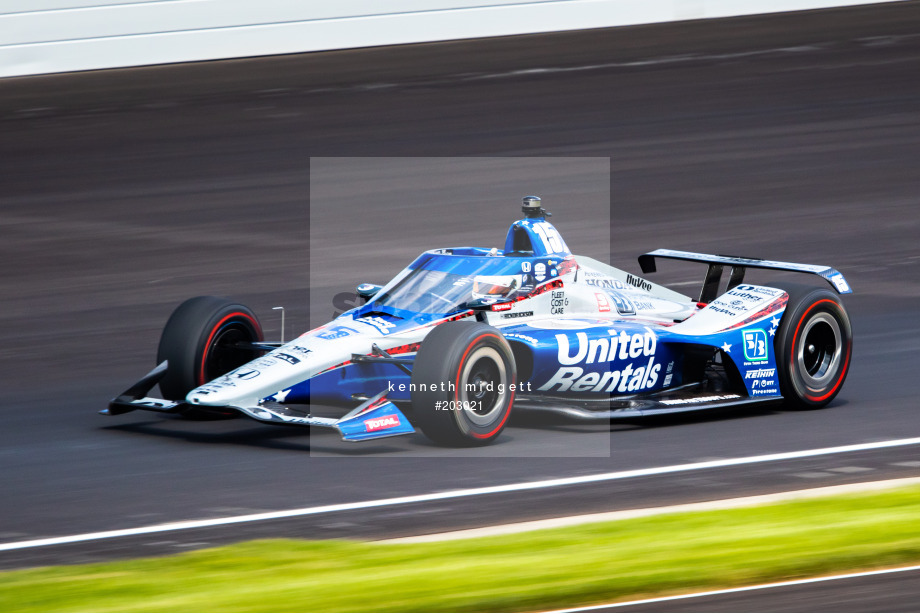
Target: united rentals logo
(379,424)
(622,346)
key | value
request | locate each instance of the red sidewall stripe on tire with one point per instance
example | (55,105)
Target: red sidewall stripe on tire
(792,351)
(457,388)
(214,332)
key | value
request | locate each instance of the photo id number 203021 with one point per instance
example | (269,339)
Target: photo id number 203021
(458,405)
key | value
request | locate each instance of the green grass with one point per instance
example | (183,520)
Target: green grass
(528,571)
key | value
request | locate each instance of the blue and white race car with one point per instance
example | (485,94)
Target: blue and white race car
(464,334)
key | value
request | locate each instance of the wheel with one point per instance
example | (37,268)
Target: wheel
(813,345)
(462,377)
(198,343)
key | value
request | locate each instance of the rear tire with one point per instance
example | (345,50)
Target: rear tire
(197,341)
(455,354)
(813,345)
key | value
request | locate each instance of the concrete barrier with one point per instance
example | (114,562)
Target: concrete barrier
(48,36)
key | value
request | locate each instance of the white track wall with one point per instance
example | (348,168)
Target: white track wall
(49,36)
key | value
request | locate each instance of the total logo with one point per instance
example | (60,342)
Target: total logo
(381,423)
(622,346)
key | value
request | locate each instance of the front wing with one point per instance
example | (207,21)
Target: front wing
(376,418)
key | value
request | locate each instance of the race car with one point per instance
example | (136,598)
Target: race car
(464,334)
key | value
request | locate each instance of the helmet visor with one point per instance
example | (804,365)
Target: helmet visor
(495,285)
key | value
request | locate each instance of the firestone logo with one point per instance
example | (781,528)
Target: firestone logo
(379,424)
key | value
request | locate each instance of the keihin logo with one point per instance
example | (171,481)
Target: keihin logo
(622,346)
(378,424)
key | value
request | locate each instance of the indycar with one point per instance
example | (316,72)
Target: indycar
(464,334)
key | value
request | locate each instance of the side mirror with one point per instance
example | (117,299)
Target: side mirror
(367,291)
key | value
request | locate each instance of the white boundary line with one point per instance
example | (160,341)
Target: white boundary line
(757,587)
(456,494)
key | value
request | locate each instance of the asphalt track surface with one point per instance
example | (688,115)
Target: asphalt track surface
(124,192)
(889,592)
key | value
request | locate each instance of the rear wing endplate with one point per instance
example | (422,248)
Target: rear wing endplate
(738,266)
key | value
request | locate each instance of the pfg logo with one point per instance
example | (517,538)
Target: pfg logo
(379,424)
(755,344)
(299,349)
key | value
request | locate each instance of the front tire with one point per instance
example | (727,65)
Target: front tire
(198,341)
(813,346)
(462,377)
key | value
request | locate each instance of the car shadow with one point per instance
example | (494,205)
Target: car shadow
(548,420)
(269,437)
(239,432)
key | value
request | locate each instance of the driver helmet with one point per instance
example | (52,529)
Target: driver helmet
(498,286)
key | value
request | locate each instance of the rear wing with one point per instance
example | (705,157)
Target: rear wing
(738,266)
